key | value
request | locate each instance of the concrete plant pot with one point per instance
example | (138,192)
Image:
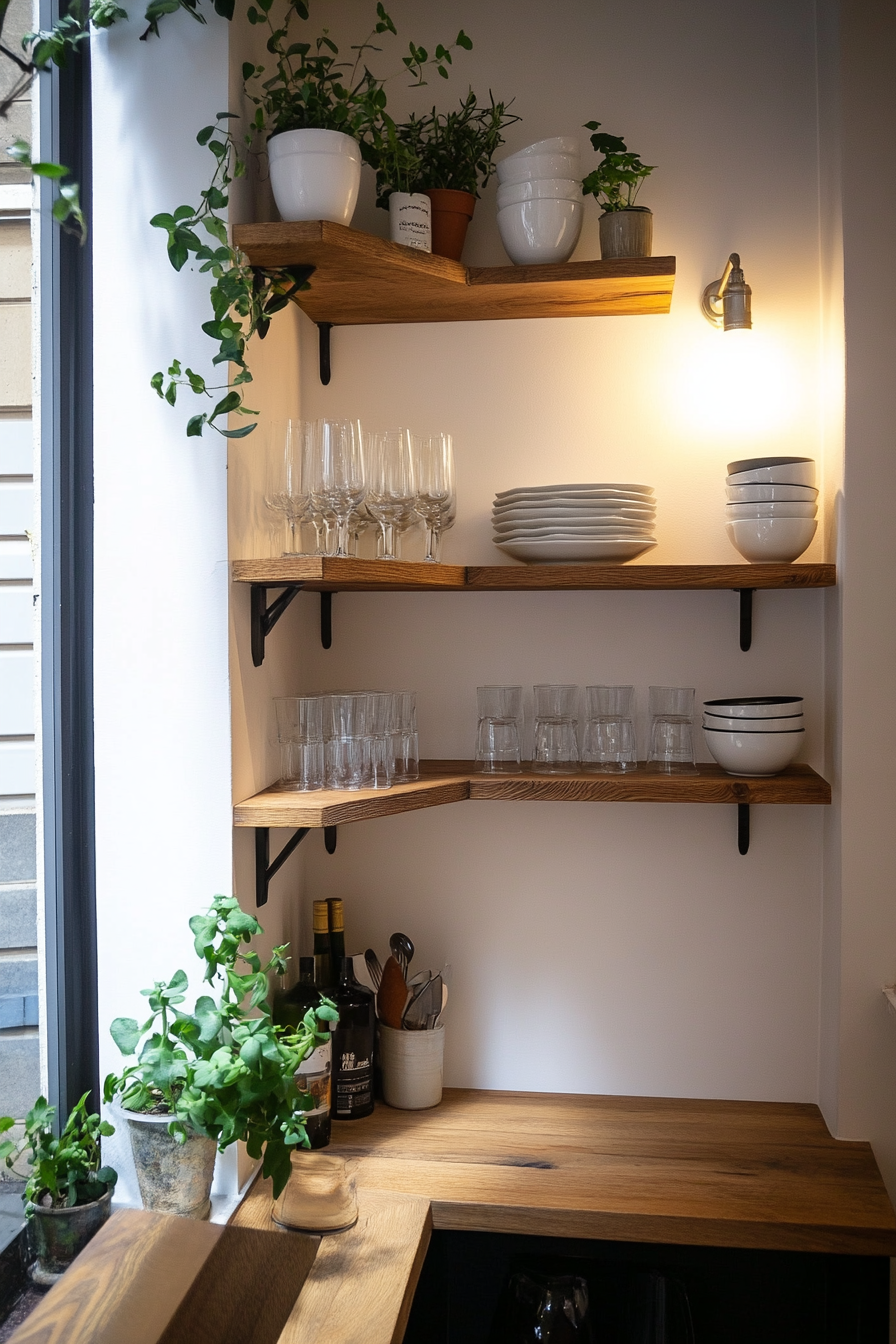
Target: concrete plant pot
(61,1234)
(626,233)
(173,1177)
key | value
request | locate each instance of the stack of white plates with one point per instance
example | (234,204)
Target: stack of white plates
(771,508)
(569,524)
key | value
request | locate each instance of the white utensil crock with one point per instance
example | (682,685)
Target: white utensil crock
(411,1062)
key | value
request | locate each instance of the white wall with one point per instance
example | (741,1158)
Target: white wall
(614,948)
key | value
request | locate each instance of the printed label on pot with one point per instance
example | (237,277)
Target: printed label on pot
(410,220)
(314,1076)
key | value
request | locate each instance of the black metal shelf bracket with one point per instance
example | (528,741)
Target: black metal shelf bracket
(265,617)
(326,620)
(746,617)
(743,827)
(323,350)
(265,869)
(330,839)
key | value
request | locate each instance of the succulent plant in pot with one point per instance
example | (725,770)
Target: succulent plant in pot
(626,229)
(201,1081)
(68,1193)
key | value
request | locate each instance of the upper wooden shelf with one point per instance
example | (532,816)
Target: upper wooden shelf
(327,574)
(361,279)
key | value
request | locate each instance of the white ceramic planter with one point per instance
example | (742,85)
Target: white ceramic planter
(410,220)
(315,174)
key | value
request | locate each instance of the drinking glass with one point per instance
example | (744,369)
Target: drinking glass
(544,1308)
(435,499)
(556,722)
(337,481)
(499,732)
(672,730)
(405,741)
(379,763)
(286,485)
(346,739)
(390,485)
(300,734)
(609,746)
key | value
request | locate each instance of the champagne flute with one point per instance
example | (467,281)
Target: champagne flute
(286,488)
(338,484)
(435,500)
(390,484)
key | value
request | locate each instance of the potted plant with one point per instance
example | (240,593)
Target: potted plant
(203,1080)
(626,229)
(317,110)
(68,1194)
(447,156)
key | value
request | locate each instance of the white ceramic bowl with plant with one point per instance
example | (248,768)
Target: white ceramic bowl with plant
(755,754)
(765,541)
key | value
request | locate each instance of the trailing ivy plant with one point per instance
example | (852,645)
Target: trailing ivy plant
(66,1171)
(225,1070)
(618,178)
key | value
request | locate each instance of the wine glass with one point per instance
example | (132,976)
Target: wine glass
(286,489)
(435,501)
(338,484)
(390,484)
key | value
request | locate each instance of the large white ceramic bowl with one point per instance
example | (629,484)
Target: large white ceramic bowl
(752,463)
(767,541)
(753,725)
(753,753)
(531,167)
(767,494)
(792,473)
(560,144)
(774,509)
(540,232)
(545,189)
(756,706)
(315,174)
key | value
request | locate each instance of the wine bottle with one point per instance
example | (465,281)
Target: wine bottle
(323,965)
(336,919)
(352,1046)
(314,1074)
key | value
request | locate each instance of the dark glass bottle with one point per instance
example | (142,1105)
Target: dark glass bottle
(324,971)
(336,918)
(352,1046)
(314,1075)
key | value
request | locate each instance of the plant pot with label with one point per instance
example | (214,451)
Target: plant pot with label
(626,233)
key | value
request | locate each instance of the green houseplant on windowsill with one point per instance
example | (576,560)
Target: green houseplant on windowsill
(626,229)
(68,1193)
(201,1081)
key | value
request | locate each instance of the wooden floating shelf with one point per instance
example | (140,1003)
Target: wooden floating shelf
(455,781)
(360,279)
(327,574)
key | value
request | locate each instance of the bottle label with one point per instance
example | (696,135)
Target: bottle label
(354,1083)
(313,1077)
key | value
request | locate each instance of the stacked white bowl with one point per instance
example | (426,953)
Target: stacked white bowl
(771,508)
(578,523)
(754,735)
(540,205)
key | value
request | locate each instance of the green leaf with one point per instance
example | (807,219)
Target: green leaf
(464,41)
(194,426)
(205,135)
(125,1032)
(52,170)
(237,433)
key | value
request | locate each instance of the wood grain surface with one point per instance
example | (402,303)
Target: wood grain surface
(362,1283)
(334,807)
(325,573)
(362,279)
(148,1278)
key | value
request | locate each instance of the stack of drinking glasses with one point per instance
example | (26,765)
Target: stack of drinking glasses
(672,730)
(343,480)
(556,750)
(610,746)
(350,740)
(499,734)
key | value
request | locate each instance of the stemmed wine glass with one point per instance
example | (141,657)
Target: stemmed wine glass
(337,483)
(435,502)
(286,487)
(390,484)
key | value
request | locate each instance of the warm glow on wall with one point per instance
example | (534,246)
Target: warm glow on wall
(735,386)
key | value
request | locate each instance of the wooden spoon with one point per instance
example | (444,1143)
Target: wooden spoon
(392,995)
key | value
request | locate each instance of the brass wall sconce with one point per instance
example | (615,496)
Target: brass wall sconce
(726,302)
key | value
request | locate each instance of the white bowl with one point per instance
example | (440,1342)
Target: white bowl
(756,706)
(773,509)
(545,189)
(792,473)
(560,144)
(724,725)
(537,233)
(534,166)
(752,463)
(753,753)
(767,494)
(768,541)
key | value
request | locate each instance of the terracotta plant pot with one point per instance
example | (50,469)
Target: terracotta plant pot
(626,233)
(173,1177)
(451,214)
(61,1234)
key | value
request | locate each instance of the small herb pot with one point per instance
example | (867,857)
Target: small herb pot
(173,1177)
(451,215)
(626,233)
(61,1234)
(410,220)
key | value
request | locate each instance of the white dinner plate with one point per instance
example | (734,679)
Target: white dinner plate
(619,527)
(583,534)
(571,551)
(615,486)
(612,507)
(576,520)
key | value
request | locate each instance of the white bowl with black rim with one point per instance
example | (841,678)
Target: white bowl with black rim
(756,706)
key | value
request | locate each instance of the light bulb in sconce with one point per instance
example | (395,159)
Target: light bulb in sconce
(726,302)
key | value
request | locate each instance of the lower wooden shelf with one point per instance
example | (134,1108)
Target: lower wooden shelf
(454,781)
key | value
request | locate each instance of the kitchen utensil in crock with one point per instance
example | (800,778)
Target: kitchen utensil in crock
(374,968)
(402,950)
(392,995)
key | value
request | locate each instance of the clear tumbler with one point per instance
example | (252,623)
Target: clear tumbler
(556,730)
(672,730)
(405,741)
(499,733)
(609,746)
(299,732)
